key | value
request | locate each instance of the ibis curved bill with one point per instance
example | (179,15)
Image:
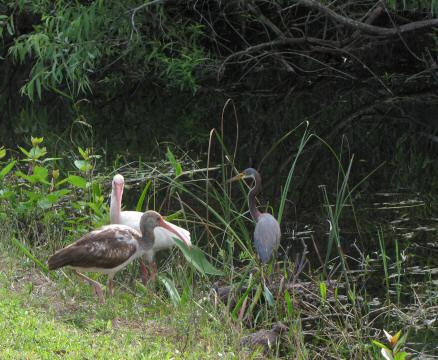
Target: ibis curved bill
(163,235)
(109,249)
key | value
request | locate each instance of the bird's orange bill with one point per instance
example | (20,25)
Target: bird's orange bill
(175,230)
(237,177)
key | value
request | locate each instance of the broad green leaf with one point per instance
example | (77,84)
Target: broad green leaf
(171,289)
(2,152)
(56,195)
(41,172)
(45,203)
(7,169)
(77,181)
(83,165)
(268,295)
(196,257)
(37,152)
(145,191)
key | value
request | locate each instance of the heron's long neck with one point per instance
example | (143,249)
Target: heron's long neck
(255,213)
(115,207)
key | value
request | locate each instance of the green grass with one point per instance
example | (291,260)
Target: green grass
(45,319)
(333,309)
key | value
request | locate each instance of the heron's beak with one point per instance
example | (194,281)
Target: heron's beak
(237,177)
(174,229)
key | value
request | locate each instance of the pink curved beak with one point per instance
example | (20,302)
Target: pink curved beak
(174,229)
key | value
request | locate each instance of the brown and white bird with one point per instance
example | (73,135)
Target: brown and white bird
(163,234)
(110,249)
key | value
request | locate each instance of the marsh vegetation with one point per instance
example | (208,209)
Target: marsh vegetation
(335,105)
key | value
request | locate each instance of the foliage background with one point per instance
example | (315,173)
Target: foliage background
(142,72)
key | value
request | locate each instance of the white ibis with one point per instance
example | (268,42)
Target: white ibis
(267,231)
(110,249)
(163,236)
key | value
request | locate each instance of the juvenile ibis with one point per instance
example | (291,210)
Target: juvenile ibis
(163,236)
(110,249)
(267,231)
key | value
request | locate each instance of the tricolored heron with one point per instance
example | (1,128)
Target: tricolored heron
(110,248)
(267,231)
(163,236)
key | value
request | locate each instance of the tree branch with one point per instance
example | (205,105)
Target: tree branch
(368,28)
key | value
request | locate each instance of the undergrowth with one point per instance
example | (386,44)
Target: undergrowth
(327,308)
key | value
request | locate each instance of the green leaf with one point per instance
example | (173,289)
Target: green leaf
(41,172)
(401,355)
(36,140)
(175,164)
(196,257)
(77,181)
(37,152)
(174,216)
(83,165)
(289,303)
(171,290)
(2,152)
(323,290)
(27,252)
(268,295)
(145,191)
(25,152)
(7,169)
(400,342)
(45,203)
(84,153)
(236,310)
(379,344)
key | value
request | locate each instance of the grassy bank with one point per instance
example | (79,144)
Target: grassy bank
(352,279)
(58,317)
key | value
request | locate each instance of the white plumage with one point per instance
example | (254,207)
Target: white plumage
(164,239)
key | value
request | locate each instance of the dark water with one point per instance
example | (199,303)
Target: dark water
(404,225)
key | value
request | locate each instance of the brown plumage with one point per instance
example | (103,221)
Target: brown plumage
(98,249)
(109,249)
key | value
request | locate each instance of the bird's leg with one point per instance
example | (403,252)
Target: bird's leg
(98,289)
(144,272)
(154,271)
(111,284)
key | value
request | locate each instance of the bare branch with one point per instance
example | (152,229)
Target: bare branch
(368,28)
